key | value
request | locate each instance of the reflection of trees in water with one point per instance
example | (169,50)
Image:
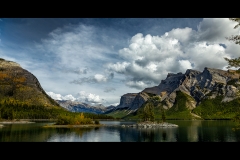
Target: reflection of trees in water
(219,131)
(207,131)
(25,133)
(193,131)
(81,131)
(148,134)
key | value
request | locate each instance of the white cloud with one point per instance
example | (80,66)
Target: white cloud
(118,67)
(185,64)
(100,78)
(68,97)
(60,97)
(83,96)
(55,96)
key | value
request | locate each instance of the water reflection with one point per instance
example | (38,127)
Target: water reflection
(192,131)
(148,134)
(98,134)
(188,131)
(24,133)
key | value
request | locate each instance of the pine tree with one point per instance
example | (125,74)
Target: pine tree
(235,62)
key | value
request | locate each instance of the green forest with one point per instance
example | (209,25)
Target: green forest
(11,110)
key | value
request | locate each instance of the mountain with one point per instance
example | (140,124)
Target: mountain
(212,93)
(129,103)
(75,106)
(20,85)
(20,92)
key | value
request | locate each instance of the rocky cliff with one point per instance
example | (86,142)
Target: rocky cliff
(126,100)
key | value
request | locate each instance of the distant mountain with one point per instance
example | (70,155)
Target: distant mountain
(75,106)
(210,94)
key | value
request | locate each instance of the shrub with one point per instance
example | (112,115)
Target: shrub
(97,122)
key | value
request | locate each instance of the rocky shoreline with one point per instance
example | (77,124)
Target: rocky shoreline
(15,122)
(137,125)
(73,126)
(151,125)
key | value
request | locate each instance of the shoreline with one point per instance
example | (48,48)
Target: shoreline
(15,122)
(74,126)
(146,124)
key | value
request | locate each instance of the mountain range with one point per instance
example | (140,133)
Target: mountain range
(210,94)
(75,106)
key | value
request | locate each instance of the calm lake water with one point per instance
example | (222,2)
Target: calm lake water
(188,131)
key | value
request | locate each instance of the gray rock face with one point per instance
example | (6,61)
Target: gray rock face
(126,100)
(132,101)
(166,86)
(138,101)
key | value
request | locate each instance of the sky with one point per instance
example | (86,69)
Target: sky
(97,60)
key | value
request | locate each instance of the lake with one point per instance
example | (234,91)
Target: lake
(188,131)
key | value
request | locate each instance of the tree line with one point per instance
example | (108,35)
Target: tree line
(12,110)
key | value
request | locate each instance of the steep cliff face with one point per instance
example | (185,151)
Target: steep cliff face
(126,100)
(20,85)
(138,101)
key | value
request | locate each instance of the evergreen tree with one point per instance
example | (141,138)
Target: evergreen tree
(235,62)
(163,116)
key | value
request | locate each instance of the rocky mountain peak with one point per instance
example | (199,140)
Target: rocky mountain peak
(195,84)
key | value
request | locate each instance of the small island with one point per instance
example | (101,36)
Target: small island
(150,124)
(76,121)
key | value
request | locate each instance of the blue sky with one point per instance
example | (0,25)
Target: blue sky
(97,60)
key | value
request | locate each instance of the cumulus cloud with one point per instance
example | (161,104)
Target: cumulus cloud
(185,64)
(60,97)
(82,96)
(109,89)
(149,58)
(97,78)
